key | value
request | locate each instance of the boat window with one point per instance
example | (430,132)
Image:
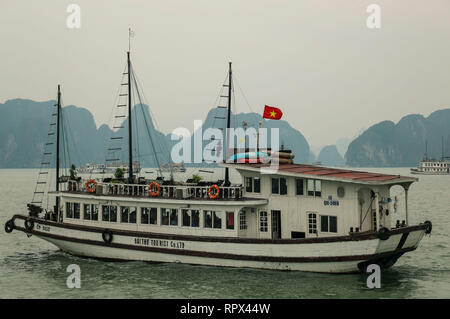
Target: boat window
(257,185)
(217,219)
(145,215)
(94,211)
(263,221)
(312,223)
(195,218)
(328,224)
(109,213)
(207,219)
(190,218)
(105,213)
(324,223)
(165,213)
(149,215)
(87,212)
(283,186)
(249,184)
(314,187)
(318,188)
(69,210)
(133,215)
(128,214)
(186,216)
(90,211)
(174,217)
(113,213)
(153,216)
(297,234)
(169,216)
(76,210)
(275,186)
(299,186)
(279,186)
(230,220)
(333,224)
(310,187)
(73,210)
(242,221)
(124,214)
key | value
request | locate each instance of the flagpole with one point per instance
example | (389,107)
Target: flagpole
(257,135)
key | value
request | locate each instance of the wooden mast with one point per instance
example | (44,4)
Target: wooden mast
(58,115)
(227,177)
(130,134)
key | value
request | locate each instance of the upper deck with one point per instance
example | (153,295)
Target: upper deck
(182,191)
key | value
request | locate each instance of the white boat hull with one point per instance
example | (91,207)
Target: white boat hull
(349,255)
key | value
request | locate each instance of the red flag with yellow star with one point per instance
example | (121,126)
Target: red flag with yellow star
(272,113)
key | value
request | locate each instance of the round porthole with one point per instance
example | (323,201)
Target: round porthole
(341,191)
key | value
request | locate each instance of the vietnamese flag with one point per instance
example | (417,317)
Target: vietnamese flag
(272,113)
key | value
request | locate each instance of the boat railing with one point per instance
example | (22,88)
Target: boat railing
(165,191)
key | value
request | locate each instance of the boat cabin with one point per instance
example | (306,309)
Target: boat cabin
(313,201)
(293,201)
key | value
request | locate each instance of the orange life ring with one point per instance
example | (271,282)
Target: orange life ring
(158,189)
(91,185)
(210,191)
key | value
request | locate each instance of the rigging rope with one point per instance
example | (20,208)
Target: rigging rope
(146,124)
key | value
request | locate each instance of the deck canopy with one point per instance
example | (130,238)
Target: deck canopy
(326,173)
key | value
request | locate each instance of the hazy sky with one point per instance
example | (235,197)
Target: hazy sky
(316,60)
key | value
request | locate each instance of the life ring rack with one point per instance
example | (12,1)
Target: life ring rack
(213,191)
(150,189)
(91,185)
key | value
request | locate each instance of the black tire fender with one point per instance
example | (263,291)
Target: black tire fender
(107,236)
(9,226)
(429,227)
(29,224)
(384,233)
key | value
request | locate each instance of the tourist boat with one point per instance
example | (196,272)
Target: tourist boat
(173,168)
(431,166)
(283,217)
(91,168)
(111,168)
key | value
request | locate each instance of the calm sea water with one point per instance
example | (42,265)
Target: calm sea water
(33,268)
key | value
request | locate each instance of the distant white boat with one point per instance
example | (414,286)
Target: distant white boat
(91,168)
(175,168)
(431,166)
